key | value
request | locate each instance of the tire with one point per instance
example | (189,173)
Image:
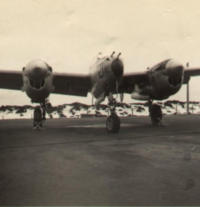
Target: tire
(155,114)
(113,123)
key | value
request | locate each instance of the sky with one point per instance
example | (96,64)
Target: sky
(68,34)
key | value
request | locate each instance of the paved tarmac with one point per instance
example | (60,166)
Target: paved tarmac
(75,162)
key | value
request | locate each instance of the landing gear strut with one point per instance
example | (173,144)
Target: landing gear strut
(113,121)
(37,118)
(155,113)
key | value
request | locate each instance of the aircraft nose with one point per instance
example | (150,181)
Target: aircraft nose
(37,77)
(117,68)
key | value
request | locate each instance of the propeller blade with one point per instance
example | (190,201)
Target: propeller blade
(92,100)
(117,87)
(112,54)
(121,97)
(119,55)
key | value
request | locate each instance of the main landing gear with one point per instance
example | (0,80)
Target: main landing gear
(155,113)
(113,121)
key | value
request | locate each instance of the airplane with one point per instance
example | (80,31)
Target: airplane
(106,78)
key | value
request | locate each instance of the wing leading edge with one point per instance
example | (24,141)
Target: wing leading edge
(11,80)
(129,80)
(71,84)
(80,85)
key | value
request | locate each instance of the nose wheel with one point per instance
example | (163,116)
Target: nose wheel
(155,113)
(113,121)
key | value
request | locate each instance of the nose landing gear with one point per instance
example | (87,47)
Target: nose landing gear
(37,118)
(113,121)
(39,115)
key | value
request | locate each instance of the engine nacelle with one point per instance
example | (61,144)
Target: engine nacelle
(37,80)
(164,80)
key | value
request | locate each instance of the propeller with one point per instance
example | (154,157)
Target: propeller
(117,88)
(120,95)
(117,84)
(112,54)
(92,100)
(119,55)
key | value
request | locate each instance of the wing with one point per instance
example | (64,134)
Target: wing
(189,72)
(71,84)
(11,79)
(129,80)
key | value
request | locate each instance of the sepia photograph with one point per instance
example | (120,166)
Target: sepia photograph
(99,103)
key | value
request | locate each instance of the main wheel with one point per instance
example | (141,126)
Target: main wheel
(113,123)
(155,114)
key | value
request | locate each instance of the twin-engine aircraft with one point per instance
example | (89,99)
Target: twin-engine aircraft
(106,77)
